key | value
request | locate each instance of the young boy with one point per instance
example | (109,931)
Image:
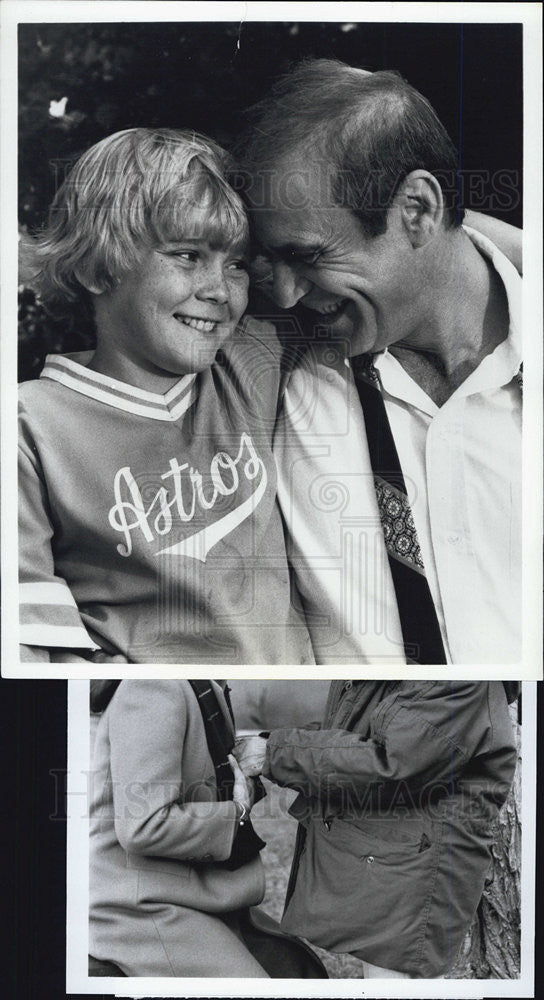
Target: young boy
(148,525)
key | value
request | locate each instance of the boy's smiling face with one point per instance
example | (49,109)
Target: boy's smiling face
(170,314)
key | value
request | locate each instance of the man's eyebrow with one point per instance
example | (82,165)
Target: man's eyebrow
(292,249)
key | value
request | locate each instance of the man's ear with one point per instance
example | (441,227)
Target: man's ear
(421,205)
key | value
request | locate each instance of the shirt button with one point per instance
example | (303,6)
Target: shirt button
(370,860)
(454,539)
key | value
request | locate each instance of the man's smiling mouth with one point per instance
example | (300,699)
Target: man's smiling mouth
(329,311)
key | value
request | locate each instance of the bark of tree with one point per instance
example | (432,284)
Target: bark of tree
(491,949)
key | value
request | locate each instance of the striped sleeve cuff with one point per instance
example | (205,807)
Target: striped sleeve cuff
(49,617)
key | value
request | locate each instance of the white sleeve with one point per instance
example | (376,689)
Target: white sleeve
(334,537)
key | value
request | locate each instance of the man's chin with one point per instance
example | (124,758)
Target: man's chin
(347,326)
(362,336)
(354,337)
(361,343)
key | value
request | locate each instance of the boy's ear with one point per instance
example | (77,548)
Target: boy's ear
(86,284)
(422,206)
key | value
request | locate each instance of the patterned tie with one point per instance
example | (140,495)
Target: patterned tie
(419,623)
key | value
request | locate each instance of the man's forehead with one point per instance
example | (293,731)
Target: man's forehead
(304,230)
(292,205)
(294,183)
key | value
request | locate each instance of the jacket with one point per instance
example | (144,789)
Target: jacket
(398,794)
(158,835)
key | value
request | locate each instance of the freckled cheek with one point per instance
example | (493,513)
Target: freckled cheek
(238,301)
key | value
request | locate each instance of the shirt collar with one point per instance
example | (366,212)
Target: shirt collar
(499,367)
(496,369)
(71,371)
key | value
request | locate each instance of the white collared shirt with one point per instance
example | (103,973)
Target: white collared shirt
(462,467)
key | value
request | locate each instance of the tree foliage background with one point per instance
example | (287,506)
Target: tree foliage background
(204,76)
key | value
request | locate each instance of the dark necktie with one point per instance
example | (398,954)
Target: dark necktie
(419,623)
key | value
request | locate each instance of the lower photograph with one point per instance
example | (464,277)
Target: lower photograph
(296,830)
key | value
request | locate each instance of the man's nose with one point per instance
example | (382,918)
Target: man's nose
(213,286)
(288,286)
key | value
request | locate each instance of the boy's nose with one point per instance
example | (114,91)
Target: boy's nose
(288,285)
(213,285)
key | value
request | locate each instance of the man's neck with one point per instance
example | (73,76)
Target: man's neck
(467,319)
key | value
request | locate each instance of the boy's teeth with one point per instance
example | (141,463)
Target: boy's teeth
(204,325)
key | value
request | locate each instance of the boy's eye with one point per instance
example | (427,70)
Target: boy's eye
(187,255)
(239,265)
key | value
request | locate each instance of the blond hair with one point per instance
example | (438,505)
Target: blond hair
(131,192)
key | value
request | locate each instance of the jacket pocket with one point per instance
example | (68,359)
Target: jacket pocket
(385,836)
(359,891)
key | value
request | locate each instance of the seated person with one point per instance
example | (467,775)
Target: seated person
(399,456)
(399,793)
(174,859)
(148,522)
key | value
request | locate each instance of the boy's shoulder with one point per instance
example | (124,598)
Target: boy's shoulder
(47,404)
(34,392)
(39,392)
(260,335)
(282,338)
(254,348)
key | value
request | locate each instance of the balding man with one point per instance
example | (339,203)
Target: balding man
(400,449)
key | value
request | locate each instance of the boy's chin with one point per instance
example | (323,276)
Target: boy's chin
(198,363)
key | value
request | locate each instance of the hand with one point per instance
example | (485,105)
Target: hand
(244,789)
(101,657)
(250,752)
